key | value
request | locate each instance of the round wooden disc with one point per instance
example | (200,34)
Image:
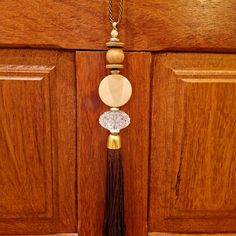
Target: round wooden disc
(115,90)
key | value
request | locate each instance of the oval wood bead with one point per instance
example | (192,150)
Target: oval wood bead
(115,55)
(115,90)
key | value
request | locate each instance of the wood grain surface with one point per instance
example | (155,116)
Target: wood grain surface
(192,179)
(171,234)
(92,143)
(146,25)
(37,142)
(60,234)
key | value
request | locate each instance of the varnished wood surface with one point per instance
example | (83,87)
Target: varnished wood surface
(192,178)
(60,234)
(92,143)
(171,234)
(146,25)
(37,142)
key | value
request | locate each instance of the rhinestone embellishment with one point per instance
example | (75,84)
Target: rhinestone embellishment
(114,120)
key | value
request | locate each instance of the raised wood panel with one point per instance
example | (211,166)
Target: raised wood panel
(146,25)
(192,182)
(37,142)
(25,142)
(92,143)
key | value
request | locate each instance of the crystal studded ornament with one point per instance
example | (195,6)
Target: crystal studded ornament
(114,120)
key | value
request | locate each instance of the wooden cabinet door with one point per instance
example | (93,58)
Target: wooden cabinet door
(192,166)
(37,142)
(92,143)
(179,167)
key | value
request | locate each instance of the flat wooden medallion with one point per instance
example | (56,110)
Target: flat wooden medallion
(115,90)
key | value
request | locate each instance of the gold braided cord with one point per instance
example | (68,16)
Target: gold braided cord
(110,7)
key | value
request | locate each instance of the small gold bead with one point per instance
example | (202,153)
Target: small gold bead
(114,109)
(115,55)
(115,71)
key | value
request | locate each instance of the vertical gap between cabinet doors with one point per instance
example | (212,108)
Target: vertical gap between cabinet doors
(76,145)
(150,133)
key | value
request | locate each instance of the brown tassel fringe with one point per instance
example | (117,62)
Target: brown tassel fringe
(114,207)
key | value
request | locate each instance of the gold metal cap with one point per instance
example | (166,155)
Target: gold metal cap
(114,142)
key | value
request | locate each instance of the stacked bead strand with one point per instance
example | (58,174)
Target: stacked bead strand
(115,90)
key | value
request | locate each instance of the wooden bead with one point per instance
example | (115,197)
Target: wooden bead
(115,90)
(114,66)
(115,44)
(115,56)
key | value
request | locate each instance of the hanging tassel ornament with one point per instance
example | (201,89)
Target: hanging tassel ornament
(115,91)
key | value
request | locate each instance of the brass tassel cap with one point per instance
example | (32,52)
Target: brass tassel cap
(114,142)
